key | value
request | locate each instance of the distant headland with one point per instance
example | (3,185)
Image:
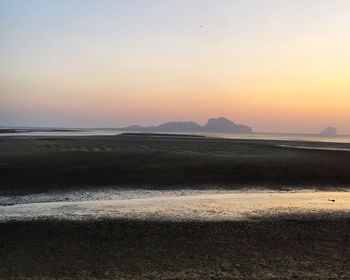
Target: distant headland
(218,125)
(329,131)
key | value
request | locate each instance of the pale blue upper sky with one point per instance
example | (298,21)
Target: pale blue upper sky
(277,65)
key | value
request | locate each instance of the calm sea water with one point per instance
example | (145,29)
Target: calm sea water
(289,137)
(253,136)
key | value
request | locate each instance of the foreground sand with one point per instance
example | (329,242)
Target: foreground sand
(274,248)
(176,235)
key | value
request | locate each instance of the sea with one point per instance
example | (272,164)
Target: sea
(252,136)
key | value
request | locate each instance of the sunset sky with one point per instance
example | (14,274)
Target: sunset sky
(276,65)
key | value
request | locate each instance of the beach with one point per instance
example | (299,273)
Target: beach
(280,248)
(41,164)
(173,207)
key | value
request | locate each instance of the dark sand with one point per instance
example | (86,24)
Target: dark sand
(277,248)
(280,247)
(35,164)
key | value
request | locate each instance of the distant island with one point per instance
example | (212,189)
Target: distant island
(218,125)
(329,131)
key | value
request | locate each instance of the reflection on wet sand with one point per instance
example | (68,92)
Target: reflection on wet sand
(316,148)
(191,205)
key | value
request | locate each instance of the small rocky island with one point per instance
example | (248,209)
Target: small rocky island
(329,131)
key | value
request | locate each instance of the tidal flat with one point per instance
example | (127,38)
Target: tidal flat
(173,207)
(42,164)
(181,205)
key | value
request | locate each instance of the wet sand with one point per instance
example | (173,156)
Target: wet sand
(44,164)
(321,148)
(273,248)
(143,234)
(136,207)
(175,206)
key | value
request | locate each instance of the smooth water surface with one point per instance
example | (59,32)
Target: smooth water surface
(252,136)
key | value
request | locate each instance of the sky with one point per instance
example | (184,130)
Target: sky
(275,65)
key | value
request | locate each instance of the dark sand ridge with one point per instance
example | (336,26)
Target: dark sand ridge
(36,164)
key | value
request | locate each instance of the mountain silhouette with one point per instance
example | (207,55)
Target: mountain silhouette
(218,125)
(225,125)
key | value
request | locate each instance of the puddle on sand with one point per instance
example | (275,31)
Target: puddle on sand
(177,205)
(316,148)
